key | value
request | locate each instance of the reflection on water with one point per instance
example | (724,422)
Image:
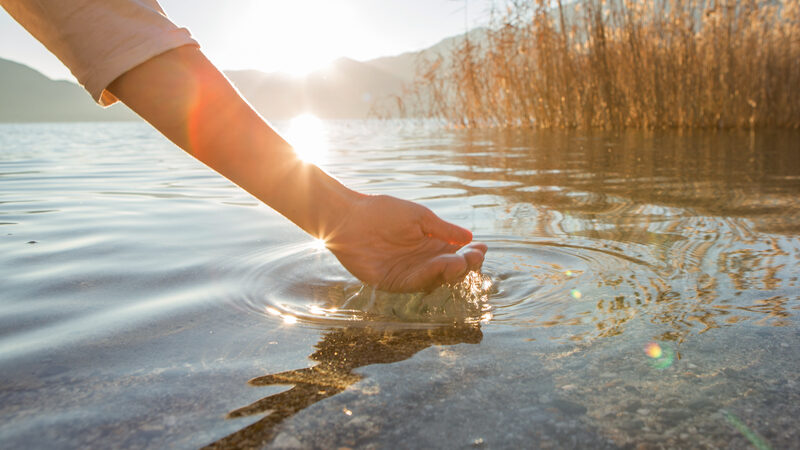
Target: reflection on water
(691,232)
(640,289)
(338,353)
(316,290)
(701,224)
(308,138)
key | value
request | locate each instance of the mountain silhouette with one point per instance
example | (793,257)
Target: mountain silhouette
(28,96)
(345,89)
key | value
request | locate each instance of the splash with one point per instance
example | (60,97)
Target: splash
(465,301)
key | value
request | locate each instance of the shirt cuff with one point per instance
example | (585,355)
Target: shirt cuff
(97,81)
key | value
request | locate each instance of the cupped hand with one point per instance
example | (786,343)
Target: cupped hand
(400,246)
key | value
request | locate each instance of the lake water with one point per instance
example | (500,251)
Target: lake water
(639,289)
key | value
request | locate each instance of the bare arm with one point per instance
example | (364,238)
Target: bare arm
(188,100)
(388,242)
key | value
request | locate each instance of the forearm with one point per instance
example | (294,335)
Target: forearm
(188,100)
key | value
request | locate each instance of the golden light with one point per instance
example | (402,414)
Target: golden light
(289,319)
(286,318)
(293,37)
(318,244)
(307,135)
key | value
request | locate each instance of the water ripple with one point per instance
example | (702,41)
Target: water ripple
(524,282)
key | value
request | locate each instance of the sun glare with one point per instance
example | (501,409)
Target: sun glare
(307,136)
(295,37)
(318,244)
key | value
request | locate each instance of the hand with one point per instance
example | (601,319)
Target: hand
(400,246)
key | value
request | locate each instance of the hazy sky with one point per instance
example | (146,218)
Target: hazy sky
(294,36)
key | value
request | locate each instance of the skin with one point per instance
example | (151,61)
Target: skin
(384,241)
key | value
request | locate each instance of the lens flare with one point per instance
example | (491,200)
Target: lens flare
(653,350)
(758,442)
(576,294)
(661,357)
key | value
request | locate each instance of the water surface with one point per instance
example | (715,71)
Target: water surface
(640,288)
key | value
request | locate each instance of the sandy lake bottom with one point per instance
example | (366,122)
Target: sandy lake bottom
(640,290)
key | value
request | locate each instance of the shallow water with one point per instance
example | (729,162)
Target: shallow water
(639,289)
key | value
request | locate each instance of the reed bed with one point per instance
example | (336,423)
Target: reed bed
(620,63)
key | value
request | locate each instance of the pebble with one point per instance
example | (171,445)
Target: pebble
(634,406)
(632,425)
(701,404)
(286,441)
(674,415)
(643,411)
(569,407)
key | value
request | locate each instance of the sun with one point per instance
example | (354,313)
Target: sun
(308,136)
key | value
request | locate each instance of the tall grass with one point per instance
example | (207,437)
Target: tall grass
(621,63)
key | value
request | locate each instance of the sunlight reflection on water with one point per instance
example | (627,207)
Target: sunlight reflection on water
(308,136)
(149,276)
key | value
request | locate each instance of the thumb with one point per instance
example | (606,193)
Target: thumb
(437,228)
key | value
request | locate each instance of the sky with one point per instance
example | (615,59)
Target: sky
(292,36)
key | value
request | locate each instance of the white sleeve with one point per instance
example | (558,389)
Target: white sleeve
(99,40)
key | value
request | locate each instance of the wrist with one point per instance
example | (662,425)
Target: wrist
(337,204)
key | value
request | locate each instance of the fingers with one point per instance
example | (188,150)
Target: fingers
(433,226)
(455,267)
(473,254)
(447,268)
(444,268)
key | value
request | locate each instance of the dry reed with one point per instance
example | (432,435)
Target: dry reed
(621,63)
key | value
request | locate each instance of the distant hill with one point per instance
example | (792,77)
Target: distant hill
(405,65)
(28,96)
(346,89)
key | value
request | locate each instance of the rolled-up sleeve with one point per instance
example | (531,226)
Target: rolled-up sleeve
(99,40)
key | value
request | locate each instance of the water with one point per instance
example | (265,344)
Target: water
(639,289)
